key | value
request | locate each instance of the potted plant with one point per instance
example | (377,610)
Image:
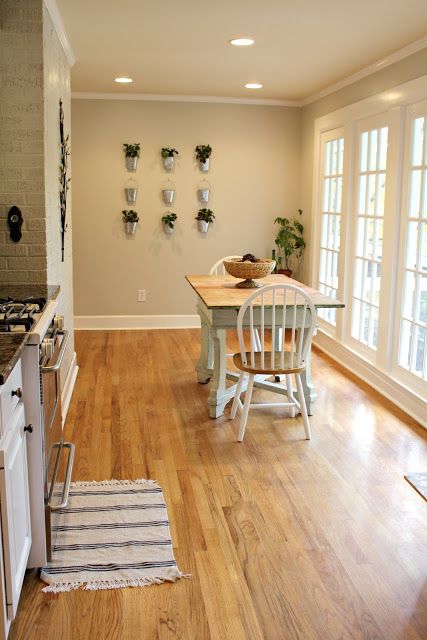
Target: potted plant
(131,155)
(204,217)
(130,218)
(203,153)
(169,222)
(168,154)
(290,242)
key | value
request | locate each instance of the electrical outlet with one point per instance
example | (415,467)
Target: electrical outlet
(142,295)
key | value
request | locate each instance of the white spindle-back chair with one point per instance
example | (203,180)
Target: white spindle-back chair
(218,268)
(274,308)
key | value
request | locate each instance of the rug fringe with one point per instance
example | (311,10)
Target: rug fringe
(99,585)
(62,587)
(91,483)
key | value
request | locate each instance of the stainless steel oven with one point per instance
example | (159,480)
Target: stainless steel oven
(58,455)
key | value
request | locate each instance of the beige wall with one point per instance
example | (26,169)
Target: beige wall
(407,69)
(254,178)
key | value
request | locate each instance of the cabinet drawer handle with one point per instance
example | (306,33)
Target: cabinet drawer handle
(17,392)
(29,428)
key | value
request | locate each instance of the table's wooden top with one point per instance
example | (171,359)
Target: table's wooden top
(219,292)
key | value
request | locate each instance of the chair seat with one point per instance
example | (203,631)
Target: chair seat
(267,369)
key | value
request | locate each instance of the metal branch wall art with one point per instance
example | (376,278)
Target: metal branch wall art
(64,182)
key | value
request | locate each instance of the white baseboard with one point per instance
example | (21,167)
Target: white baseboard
(137,322)
(68,389)
(409,402)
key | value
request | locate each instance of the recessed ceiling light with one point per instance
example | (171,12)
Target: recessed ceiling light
(123,80)
(242,42)
(253,85)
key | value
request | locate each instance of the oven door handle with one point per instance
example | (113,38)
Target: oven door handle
(55,367)
(67,481)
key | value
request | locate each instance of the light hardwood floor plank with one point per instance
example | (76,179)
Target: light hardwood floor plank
(285,539)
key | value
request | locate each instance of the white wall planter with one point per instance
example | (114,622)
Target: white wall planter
(131,228)
(204,166)
(168,195)
(168,230)
(203,226)
(131,164)
(131,194)
(203,195)
(168,163)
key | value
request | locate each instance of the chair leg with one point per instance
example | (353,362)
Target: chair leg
(237,395)
(246,406)
(303,406)
(290,394)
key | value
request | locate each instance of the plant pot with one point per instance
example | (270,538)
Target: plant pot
(168,230)
(130,228)
(131,163)
(168,163)
(204,166)
(203,226)
(168,195)
(203,195)
(131,193)
(285,272)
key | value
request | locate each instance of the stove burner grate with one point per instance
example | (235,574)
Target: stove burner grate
(19,314)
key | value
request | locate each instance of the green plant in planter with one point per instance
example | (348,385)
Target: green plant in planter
(130,215)
(203,152)
(207,215)
(169,219)
(132,150)
(168,152)
(289,240)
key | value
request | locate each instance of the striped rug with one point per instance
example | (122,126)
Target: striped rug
(112,534)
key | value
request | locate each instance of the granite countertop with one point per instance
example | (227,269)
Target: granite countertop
(11,344)
(49,291)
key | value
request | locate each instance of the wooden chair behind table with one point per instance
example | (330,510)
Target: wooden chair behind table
(275,307)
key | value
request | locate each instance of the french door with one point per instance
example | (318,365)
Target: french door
(331,200)
(410,362)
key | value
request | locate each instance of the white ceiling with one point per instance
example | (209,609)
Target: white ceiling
(180,47)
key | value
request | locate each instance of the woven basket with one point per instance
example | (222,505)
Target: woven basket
(249,270)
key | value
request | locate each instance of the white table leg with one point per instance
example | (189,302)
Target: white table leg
(219,394)
(205,364)
(310,394)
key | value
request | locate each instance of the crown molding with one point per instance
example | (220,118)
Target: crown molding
(56,18)
(367,71)
(150,97)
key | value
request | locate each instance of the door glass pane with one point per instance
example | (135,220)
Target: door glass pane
(371,182)
(330,231)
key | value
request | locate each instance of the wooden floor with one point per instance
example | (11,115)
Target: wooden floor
(285,538)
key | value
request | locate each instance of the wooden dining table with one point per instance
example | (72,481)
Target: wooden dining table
(218,303)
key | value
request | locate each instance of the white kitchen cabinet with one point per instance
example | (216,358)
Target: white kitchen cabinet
(15,511)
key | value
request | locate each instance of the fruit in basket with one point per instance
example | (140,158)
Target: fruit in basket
(249,257)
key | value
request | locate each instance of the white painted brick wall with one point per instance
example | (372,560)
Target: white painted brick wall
(34,75)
